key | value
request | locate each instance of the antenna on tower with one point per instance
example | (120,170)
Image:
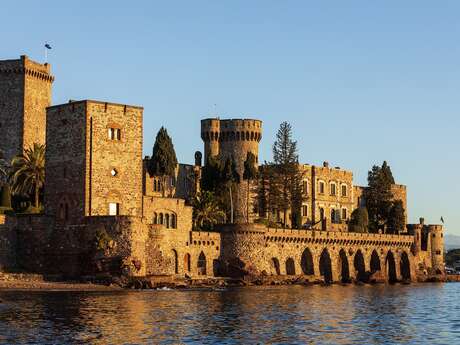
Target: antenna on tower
(215,111)
(47,47)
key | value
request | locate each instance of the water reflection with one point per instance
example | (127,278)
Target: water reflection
(416,314)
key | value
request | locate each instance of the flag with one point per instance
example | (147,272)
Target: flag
(47,46)
(442,220)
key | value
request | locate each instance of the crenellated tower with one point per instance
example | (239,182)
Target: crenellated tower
(233,138)
(436,234)
(25,93)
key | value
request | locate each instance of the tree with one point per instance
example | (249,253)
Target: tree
(249,174)
(287,172)
(229,178)
(163,162)
(359,220)
(396,222)
(206,211)
(378,196)
(211,175)
(27,174)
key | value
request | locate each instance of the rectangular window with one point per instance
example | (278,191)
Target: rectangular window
(305,187)
(344,190)
(321,187)
(333,191)
(114,209)
(344,213)
(114,134)
(304,211)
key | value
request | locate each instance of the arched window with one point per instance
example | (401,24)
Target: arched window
(305,187)
(160,220)
(332,188)
(167,220)
(344,213)
(304,210)
(155,218)
(201,264)
(332,215)
(173,221)
(321,187)
(321,213)
(344,190)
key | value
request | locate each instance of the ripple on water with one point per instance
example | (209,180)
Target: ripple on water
(400,314)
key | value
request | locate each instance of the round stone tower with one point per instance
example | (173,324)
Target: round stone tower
(416,231)
(436,233)
(233,138)
(210,134)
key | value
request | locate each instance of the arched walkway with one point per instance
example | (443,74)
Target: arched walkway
(201,265)
(405,267)
(359,265)
(375,262)
(290,267)
(187,263)
(306,262)
(176,262)
(275,265)
(343,267)
(390,265)
(325,267)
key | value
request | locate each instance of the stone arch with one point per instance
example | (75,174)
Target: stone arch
(390,267)
(176,261)
(306,262)
(405,266)
(375,262)
(290,267)
(173,221)
(344,267)
(359,265)
(201,264)
(187,262)
(275,265)
(325,266)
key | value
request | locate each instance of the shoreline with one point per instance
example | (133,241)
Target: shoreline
(26,282)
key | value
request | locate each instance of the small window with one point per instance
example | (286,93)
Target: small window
(438,252)
(305,186)
(344,213)
(114,134)
(344,190)
(321,187)
(114,172)
(333,189)
(321,213)
(114,209)
(304,210)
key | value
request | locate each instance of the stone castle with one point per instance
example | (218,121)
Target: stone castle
(97,183)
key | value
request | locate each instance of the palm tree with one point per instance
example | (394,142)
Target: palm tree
(27,173)
(206,211)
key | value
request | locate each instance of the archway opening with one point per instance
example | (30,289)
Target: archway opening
(201,264)
(360,268)
(306,262)
(290,267)
(275,265)
(344,269)
(325,267)
(405,267)
(176,262)
(375,262)
(390,267)
(187,265)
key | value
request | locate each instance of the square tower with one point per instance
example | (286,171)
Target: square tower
(25,92)
(93,160)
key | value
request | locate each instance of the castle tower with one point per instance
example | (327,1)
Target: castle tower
(25,93)
(436,234)
(233,138)
(93,160)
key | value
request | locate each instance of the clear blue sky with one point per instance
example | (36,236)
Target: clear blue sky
(360,81)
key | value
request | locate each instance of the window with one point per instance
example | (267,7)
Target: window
(304,210)
(344,190)
(167,220)
(114,209)
(332,189)
(344,213)
(114,172)
(305,186)
(114,134)
(321,213)
(321,187)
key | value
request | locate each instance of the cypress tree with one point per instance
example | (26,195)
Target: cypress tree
(249,174)
(163,162)
(396,219)
(359,220)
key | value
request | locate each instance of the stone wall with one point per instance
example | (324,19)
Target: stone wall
(7,243)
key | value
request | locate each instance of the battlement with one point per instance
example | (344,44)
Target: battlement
(231,130)
(28,67)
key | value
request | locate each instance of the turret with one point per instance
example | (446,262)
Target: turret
(436,234)
(210,133)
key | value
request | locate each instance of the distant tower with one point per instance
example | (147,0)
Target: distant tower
(25,93)
(436,234)
(233,139)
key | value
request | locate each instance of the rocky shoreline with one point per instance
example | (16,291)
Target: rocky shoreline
(110,283)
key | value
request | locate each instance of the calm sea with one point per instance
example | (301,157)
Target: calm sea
(400,314)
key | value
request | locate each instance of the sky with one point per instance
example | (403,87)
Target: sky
(359,81)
